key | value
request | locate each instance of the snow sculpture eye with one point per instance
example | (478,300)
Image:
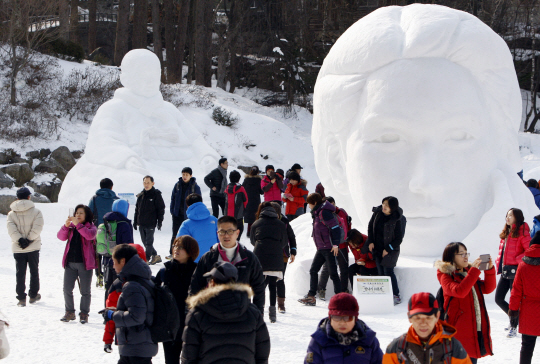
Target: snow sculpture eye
(388,138)
(458,136)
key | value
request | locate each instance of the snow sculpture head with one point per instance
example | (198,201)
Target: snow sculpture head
(422,103)
(141,72)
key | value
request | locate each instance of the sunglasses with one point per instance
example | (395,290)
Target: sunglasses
(342,318)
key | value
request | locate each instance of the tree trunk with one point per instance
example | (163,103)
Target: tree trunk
(122,32)
(181,37)
(233,69)
(63,12)
(200,42)
(74,22)
(169,9)
(92,25)
(222,65)
(191,46)
(140,18)
(208,22)
(156,30)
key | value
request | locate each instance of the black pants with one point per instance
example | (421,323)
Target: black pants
(343,263)
(473,360)
(176,222)
(217,202)
(173,349)
(271,283)
(109,275)
(527,348)
(292,217)
(147,237)
(386,271)
(134,360)
(281,283)
(240,223)
(356,269)
(22,260)
(99,268)
(503,287)
(323,256)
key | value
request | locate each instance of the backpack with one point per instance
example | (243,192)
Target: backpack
(230,200)
(166,321)
(106,237)
(341,223)
(440,300)
(402,349)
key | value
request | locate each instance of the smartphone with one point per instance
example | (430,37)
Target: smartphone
(485,261)
(71,212)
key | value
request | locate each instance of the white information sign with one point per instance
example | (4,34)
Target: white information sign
(374,294)
(129,197)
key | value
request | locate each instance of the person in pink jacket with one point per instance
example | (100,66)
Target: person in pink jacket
(272,185)
(515,239)
(79,260)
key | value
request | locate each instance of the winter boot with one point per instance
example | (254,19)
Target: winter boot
(69,316)
(512,332)
(322,294)
(107,348)
(272,313)
(22,303)
(155,259)
(83,318)
(308,300)
(281,304)
(35,299)
(99,281)
(397,300)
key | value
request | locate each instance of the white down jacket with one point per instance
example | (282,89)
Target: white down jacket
(24,221)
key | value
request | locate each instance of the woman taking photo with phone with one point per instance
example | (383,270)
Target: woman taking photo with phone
(464,303)
(79,260)
(515,239)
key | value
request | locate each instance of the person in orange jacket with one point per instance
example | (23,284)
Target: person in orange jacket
(112,300)
(429,340)
(295,196)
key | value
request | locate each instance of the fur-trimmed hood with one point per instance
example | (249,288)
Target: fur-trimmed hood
(446,267)
(225,301)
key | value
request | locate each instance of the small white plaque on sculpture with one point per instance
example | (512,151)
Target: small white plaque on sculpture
(129,197)
(374,294)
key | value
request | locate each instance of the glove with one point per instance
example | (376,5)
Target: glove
(159,225)
(134,227)
(23,243)
(107,348)
(514,317)
(107,314)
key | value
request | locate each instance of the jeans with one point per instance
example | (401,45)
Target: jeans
(385,271)
(503,287)
(240,223)
(281,283)
(134,360)
(323,256)
(22,260)
(71,273)
(527,348)
(217,202)
(173,349)
(271,283)
(343,263)
(176,222)
(147,237)
(356,269)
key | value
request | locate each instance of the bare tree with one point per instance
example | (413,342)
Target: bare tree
(122,32)
(156,31)
(63,12)
(92,25)
(140,19)
(74,22)
(203,42)
(25,26)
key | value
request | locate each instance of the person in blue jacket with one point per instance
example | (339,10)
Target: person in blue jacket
(532,184)
(536,225)
(201,225)
(100,204)
(342,338)
(124,235)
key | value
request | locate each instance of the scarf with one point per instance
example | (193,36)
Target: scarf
(224,180)
(347,339)
(477,311)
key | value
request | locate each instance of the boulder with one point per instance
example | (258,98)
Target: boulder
(22,160)
(5,201)
(51,189)
(51,166)
(245,169)
(21,172)
(39,198)
(44,153)
(5,181)
(7,156)
(33,154)
(77,154)
(63,156)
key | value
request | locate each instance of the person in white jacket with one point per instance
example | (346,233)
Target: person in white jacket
(24,225)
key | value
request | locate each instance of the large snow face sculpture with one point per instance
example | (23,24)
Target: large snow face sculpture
(422,103)
(138,133)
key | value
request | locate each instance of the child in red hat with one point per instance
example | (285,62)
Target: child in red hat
(341,338)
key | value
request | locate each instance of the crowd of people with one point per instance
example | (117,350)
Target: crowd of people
(207,303)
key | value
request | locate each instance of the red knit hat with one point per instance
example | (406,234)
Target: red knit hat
(343,304)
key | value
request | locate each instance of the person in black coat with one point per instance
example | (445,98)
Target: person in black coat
(385,234)
(177,276)
(252,185)
(269,237)
(149,213)
(229,250)
(222,325)
(217,183)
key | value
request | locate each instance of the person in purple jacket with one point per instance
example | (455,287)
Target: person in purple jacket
(342,338)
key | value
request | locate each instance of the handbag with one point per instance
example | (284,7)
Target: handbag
(509,271)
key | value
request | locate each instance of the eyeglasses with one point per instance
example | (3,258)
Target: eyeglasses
(465,255)
(178,247)
(342,318)
(226,232)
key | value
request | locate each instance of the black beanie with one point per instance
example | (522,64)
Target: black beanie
(269,167)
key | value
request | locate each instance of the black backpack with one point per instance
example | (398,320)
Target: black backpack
(166,316)
(440,300)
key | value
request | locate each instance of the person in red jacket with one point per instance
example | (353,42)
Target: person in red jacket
(364,264)
(464,302)
(525,299)
(112,300)
(295,196)
(272,185)
(236,200)
(515,239)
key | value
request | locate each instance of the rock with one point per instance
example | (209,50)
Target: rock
(44,153)
(7,156)
(245,169)
(5,201)
(39,198)
(77,154)
(51,189)
(51,166)
(63,156)
(21,172)
(5,181)
(22,160)
(33,154)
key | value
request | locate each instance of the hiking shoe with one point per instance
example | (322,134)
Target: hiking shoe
(155,259)
(508,327)
(308,300)
(322,294)
(22,303)
(107,348)
(69,316)
(512,332)
(35,299)
(83,318)
(169,257)
(99,281)
(397,300)
(281,304)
